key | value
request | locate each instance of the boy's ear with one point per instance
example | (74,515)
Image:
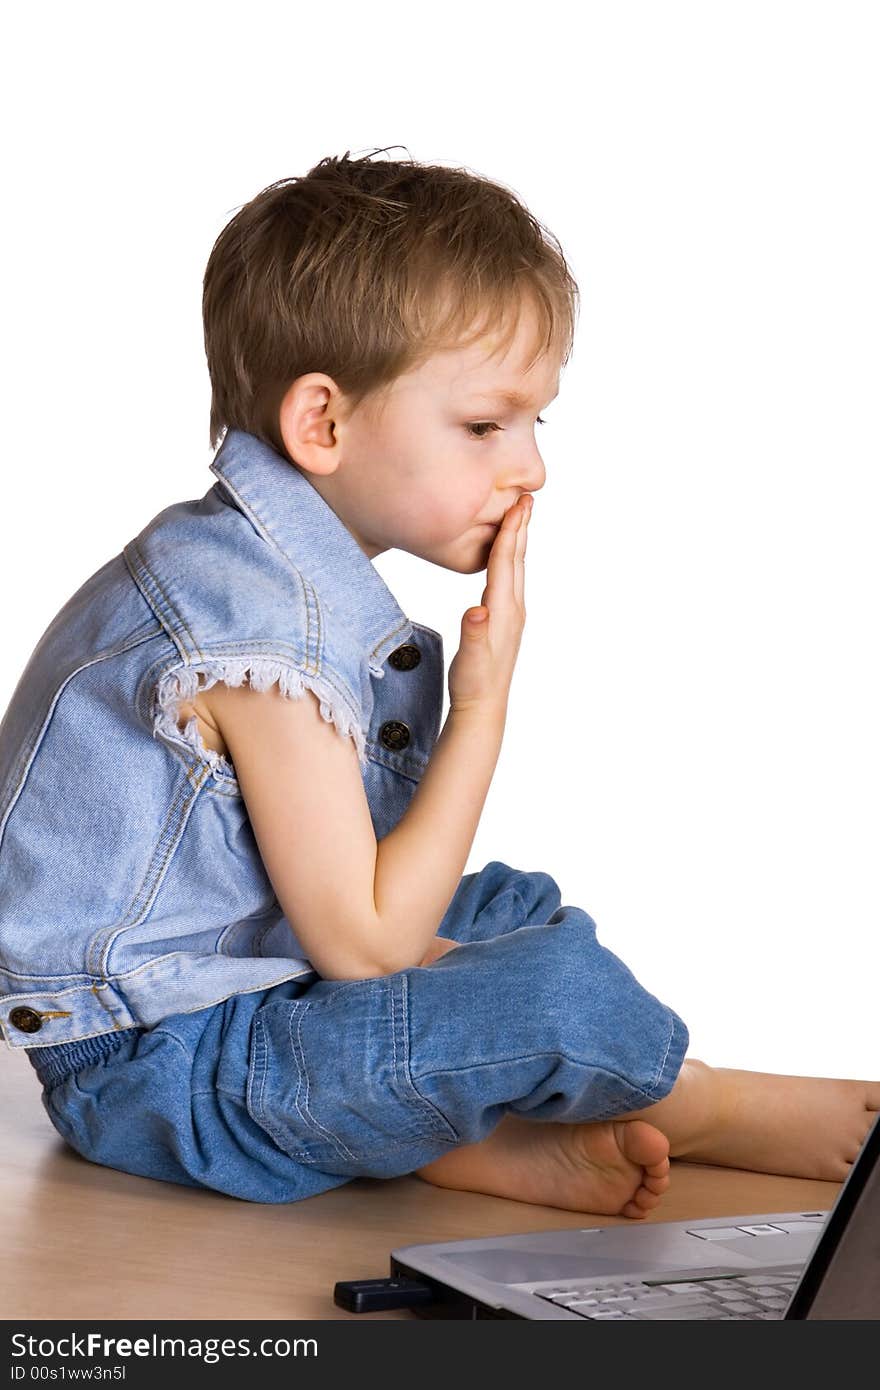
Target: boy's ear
(307,422)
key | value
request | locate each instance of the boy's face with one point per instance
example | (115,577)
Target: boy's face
(432,467)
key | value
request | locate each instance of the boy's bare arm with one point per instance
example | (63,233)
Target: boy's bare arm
(358,908)
(420,862)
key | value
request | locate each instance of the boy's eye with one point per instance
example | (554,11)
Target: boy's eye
(488,426)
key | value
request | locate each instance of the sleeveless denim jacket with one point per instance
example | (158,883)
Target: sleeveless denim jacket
(131,886)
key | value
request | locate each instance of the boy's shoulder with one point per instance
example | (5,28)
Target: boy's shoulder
(262,567)
(262,534)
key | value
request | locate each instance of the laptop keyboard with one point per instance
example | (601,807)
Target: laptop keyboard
(740,1296)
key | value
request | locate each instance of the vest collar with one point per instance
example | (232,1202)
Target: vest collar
(290,514)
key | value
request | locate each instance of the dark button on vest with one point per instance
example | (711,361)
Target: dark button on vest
(405,657)
(394,735)
(26,1020)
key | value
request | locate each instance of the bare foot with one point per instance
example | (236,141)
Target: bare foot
(802,1126)
(614,1168)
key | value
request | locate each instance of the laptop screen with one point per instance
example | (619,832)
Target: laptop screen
(842,1278)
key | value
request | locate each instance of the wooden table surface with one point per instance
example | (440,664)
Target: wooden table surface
(82,1241)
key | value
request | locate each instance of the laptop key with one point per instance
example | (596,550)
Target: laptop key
(689,1311)
(756,1280)
(687,1300)
(681,1288)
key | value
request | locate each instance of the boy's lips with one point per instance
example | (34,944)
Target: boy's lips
(496,524)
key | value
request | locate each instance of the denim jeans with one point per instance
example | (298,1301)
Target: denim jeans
(280,1094)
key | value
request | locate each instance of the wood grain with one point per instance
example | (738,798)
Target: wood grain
(81,1241)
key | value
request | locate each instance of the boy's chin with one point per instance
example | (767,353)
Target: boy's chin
(463,562)
(462,556)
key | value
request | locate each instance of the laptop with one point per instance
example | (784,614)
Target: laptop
(794,1264)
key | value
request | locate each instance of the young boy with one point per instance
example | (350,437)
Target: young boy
(235,938)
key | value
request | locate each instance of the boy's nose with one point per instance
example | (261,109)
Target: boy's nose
(530,480)
(536,476)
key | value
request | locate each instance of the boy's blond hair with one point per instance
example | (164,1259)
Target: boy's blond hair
(361,269)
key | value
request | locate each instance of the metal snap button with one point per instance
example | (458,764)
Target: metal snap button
(405,657)
(26,1020)
(394,735)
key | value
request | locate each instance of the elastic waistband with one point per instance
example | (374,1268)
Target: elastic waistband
(53,1064)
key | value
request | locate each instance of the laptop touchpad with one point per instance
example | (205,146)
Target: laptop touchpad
(767,1249)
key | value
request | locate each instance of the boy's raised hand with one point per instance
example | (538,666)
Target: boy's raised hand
(482,669)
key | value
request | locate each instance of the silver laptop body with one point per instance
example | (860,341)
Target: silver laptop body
(797,1265)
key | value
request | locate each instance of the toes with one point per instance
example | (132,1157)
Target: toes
(657,1185)
(640,1203)
(658,1170)
(645,1199)
(641,1143)
(633,1211)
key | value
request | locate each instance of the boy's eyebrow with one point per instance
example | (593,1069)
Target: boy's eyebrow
(513,398)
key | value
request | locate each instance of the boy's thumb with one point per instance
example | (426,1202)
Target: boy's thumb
(475,619)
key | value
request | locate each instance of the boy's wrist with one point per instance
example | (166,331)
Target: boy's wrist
(491,715)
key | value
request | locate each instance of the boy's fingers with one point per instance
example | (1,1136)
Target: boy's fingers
(519,570)
(499,571)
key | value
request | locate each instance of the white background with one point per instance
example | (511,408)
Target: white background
(692,748)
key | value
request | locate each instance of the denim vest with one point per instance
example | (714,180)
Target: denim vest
(131,886)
